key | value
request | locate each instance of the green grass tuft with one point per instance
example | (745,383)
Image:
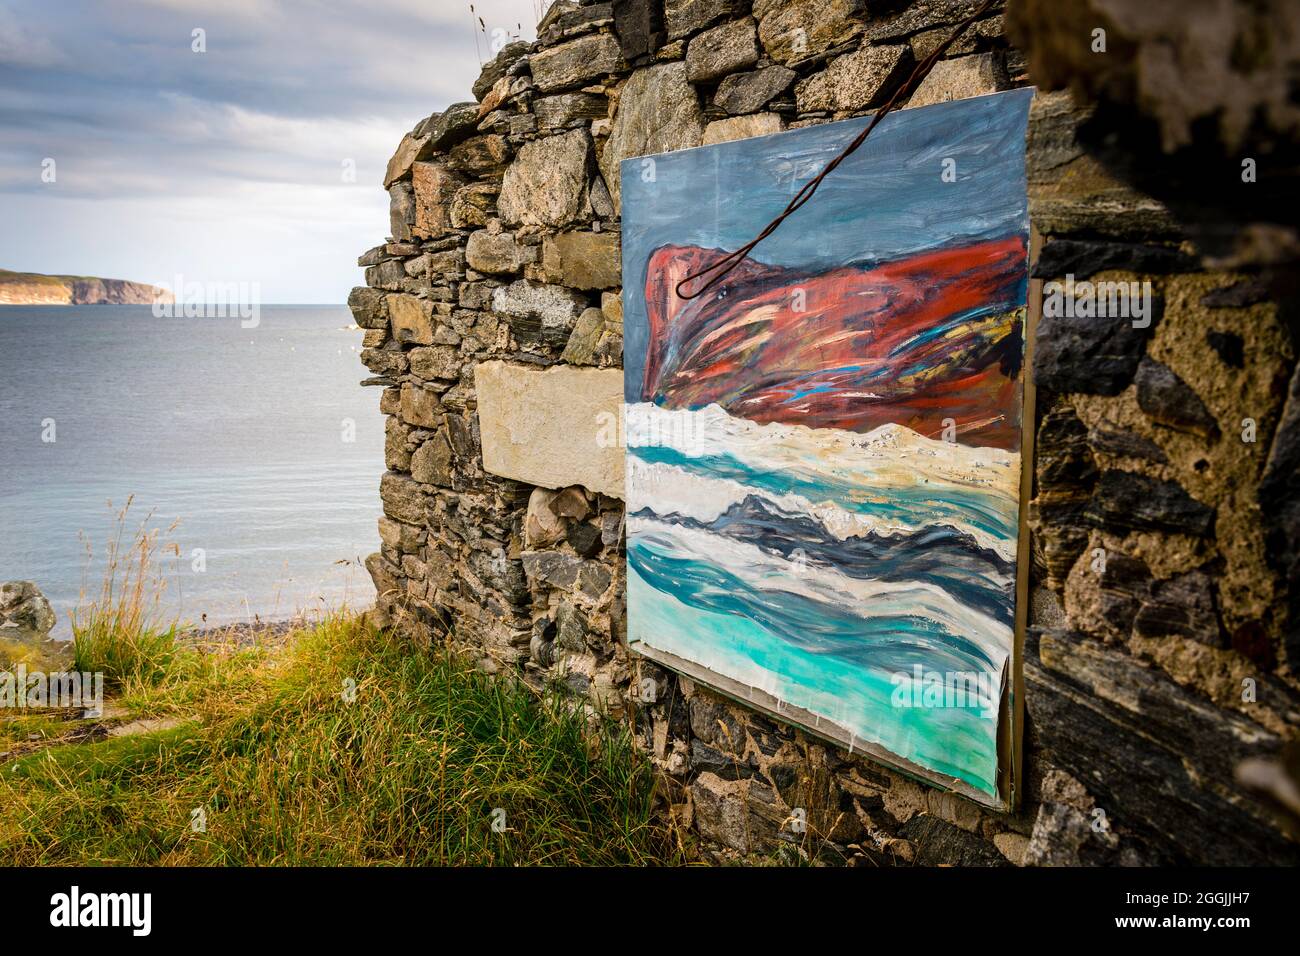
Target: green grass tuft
(288,771)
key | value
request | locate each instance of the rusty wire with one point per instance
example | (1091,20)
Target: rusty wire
(733,259)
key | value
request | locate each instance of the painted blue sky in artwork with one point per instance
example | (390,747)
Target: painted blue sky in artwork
(885,201)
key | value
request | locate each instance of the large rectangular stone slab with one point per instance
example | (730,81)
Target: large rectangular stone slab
(552,427)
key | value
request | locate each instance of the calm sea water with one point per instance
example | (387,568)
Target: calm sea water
(239,435)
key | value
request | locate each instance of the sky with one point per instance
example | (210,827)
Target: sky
(258,160)
(885,201)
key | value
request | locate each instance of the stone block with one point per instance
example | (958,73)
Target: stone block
(723,49)
(551,427)
(961,78)
(576,63)
(742,127)
(855,81)
(796,30)
(658,111)
(411,319)
(546,185)
(435,186)
(583,260)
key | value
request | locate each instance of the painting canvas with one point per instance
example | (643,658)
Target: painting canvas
(824,449)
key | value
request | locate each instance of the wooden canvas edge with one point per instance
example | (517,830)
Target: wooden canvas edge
(1024,548)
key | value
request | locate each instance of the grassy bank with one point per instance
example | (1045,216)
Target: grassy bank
(338,745)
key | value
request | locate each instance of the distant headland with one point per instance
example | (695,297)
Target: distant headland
(32,288)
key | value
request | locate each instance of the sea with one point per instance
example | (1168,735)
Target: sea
(252,451)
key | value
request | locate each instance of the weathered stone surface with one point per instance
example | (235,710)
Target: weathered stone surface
(795,30)
(542,526)
(401,211)
(420,406)
(1070,192)
(25,608)
(538,313)
(403,500)
(1093,356)
(386,363)
(576,63)
(435,185)
(410,149)
(741,815)
(749,92)
(449,127)
(368,306)
(855,81)
(583,342)
(565,19)
(546,185)
(436,362)
(639,26)
(1129,501)
(588,579)
(497,254)
(496,67)
(565,108)
(684,17)
(431,463)
(583,260)
(940,843)
(742,127)
(1083,258)
(473,205)
(411,319)
(1126,444)
(550,427)
(658,111)
(1158,758)
(1171,401)
(400,537)
(961,78)
(479,156)
(721,50)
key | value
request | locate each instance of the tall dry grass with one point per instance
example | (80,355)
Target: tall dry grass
(123,632)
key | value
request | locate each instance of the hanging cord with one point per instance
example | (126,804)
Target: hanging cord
(733,259)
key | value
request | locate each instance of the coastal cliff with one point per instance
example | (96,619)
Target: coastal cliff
(31,288)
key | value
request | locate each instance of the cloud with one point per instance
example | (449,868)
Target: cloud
(254,130)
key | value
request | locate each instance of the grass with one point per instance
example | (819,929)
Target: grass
(415,769)
(121,634)
(338,744)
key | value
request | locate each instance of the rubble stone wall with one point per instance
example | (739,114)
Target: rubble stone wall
(1156,665)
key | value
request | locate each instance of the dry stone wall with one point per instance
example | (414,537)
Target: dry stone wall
(493,331)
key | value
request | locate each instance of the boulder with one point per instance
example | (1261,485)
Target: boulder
(435,185)
(411,319)
(496,67)
(742,127)
(855,81)
(583,260)
(546,185)
(960,78)
(576,63)
(722,50)
(796,30)
(25,608)
(658,111)
(538,313)
(684,17)
(749,92)
(497,254)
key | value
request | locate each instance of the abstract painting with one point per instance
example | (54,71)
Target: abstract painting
(824,449)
